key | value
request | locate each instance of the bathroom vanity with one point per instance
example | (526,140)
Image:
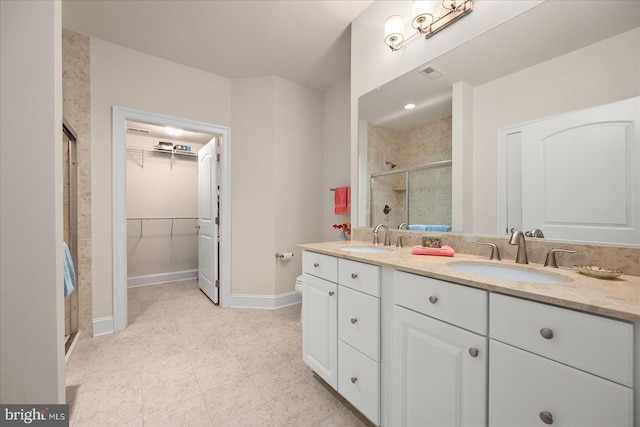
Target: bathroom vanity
(410,340)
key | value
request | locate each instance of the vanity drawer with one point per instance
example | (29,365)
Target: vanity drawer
(359,321)
(589,342)
(456,304)
(359,276)
(359,381)
(525,388)
(319,265)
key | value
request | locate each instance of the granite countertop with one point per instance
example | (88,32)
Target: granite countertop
(618,298)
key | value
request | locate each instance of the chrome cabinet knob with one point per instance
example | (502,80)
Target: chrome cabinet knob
(546,333)
(433,299)
(354,276)
(331,293)
(354,320)
(354,379)
(546,417)
(473,352)
(316,265)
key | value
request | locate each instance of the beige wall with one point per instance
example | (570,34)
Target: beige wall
(276,180)
(128,78)
(298,176)
(31,269)
(604,72)
(336,154)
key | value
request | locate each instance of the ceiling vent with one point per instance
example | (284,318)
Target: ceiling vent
(431,72)
(136,130)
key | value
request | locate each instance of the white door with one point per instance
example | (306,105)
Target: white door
(207,218)
(580,176)
(440,373)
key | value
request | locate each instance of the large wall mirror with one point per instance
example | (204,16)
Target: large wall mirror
(518,75)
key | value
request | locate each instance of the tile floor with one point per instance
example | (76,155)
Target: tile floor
(184,361)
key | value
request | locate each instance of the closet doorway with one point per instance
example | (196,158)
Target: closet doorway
(173,221)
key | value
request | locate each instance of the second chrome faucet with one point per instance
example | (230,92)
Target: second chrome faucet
(387,240)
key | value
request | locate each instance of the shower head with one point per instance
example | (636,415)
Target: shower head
(393,165)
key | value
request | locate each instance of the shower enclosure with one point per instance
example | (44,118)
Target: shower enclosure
(70,228)
(416,195)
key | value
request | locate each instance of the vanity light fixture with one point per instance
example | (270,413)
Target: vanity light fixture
(410,106)
(427,18)
(172,131)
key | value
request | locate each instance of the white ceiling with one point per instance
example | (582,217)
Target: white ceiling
(305,41)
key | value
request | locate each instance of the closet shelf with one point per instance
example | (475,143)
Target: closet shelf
(172,151)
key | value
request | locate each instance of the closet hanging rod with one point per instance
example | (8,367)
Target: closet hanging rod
(162,218)
(172,219)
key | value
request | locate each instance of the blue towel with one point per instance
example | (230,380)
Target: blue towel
(422,227)
(69,272)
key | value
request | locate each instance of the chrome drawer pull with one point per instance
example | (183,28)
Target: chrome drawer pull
(316,265)
(331,293)
(433,299)
(546,417)
(473,352)
(354,379)
(546,333)
(354,276)
(354,320)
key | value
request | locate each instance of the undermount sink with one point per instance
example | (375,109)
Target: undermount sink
(509,272)
(365,249)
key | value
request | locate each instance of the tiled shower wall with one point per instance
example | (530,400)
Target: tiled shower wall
(76,93)
(427,143)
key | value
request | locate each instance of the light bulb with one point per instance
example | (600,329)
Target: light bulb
(393,28)
(421,13)
(173,131)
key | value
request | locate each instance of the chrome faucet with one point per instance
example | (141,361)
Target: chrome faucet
(387,240)
(403,225)
(517,238)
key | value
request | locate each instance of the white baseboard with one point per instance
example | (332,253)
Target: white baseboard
(268,302)
(102,326)
(154,279)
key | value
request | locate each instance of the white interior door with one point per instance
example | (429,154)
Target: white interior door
(207,216)
(579,174)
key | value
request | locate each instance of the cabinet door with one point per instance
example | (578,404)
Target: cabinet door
(440,373)
(529,390)
(320,327)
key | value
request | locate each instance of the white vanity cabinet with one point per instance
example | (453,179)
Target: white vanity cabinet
(551,365)
(319,324)
(359,336)
(341,327)
(439,368)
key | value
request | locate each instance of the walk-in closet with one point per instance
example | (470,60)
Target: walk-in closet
(162,203)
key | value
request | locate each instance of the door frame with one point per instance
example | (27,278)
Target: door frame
(120,115)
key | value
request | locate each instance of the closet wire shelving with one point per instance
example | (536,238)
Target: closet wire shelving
(146,149)
(172,219)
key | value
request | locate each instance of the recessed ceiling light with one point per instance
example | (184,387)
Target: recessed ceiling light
(410,106)
(173,131)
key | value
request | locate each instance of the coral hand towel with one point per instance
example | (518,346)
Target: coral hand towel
(443,251)
(341,200)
